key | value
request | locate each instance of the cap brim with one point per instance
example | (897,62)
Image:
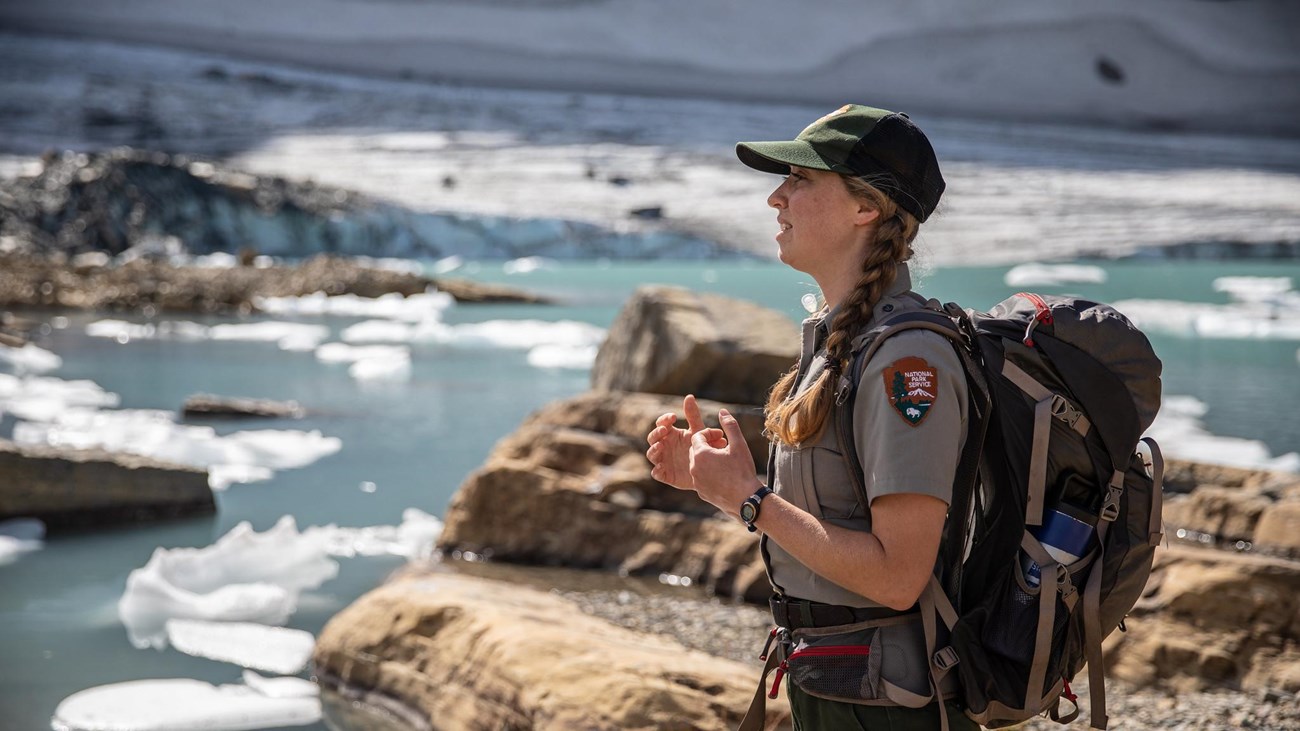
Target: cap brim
(777,157)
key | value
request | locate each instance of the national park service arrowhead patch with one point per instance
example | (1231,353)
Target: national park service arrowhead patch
(911,385)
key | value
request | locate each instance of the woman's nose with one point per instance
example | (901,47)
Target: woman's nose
(777,198)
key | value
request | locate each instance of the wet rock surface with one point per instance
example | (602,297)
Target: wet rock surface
(69,488)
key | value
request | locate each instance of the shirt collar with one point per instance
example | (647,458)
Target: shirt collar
(902,283)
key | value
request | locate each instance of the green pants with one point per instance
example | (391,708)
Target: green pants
(816,714)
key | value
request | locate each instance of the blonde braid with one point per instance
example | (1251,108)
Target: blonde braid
(793,421)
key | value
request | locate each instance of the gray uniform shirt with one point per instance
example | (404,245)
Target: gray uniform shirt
(909,420)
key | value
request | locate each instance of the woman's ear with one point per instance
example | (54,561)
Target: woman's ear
(866,215)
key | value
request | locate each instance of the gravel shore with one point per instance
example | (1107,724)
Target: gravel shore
(737,632)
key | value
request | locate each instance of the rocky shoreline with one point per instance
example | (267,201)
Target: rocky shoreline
(152,286)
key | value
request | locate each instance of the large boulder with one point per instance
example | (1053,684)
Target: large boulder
(1278,529)
(1212,619)
(467,654)
(78,488)
(572,487)
(674,341)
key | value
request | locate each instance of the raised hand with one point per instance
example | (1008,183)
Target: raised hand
(670,447)
(721,465)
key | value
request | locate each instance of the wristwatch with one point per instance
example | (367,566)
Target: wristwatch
(749,508)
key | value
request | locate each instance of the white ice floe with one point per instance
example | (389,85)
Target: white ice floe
(289,335)
(176,704)
(378,331)
(19,536)
(272,649)
(392,306)
(448,264)
(238,457)
(1050,275)
(1240,320)
(244,577)
(1179,430)
(124,332)
(29,359)
(344,353)
(578,357)
(215,260)
(43,398)
(396,368)
(524,334)
(413,539)
(1256,289)
(527,264)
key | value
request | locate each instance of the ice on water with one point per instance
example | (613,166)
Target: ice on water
(180,704)
(1265,308)
(43,398)
(29,358)
(1047,275)
(1181,433)
(244,576)
(248,576)
(19,536)
(288,335)
(250,645)
(392,306)
(577,357)
(242,456)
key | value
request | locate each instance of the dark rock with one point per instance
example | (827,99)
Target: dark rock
(94,488)
(651,213)
(217,407)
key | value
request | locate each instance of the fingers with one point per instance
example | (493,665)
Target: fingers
(710,438)
(730,426)
(694,419)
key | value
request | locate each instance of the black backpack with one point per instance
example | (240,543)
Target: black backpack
(1061,390)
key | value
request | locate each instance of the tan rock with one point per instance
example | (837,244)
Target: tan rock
(673,341)
(1212,619)
(1278,529)
(1185,476)
(1227,513)
(471,654)
(77,488)
(572,487)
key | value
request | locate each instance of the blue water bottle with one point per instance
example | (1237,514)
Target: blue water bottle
(1067,534)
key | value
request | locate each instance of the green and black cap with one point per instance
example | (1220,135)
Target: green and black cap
(881,146)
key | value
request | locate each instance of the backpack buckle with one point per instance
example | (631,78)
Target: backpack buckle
(946,658)
(1110,508)
(1064,410)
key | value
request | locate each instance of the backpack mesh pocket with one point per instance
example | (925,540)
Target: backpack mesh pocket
(843,667)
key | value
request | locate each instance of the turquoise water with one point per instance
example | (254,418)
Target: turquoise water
(59,631)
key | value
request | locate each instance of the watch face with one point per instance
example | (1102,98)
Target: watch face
(748,512)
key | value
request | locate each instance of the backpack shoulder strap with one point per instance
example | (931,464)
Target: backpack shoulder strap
(953,324)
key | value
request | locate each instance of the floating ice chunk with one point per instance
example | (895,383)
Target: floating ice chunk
(392,306)
(282,687)
(154,433)
(183,705)
(286,333)
(580,357)
(1253,289)
(30,358)
(378,331)
(527,264)
(413,539)
(215,260)
(1200,320)
(272,649)
(1180,432)
(1053,274)
(244,577)
(43,398)
(344,353)
(394,368)
(221,476)
(448,264)
(19,536)
(124,332)
(524,334)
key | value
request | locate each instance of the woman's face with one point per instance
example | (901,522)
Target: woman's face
(823,226)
